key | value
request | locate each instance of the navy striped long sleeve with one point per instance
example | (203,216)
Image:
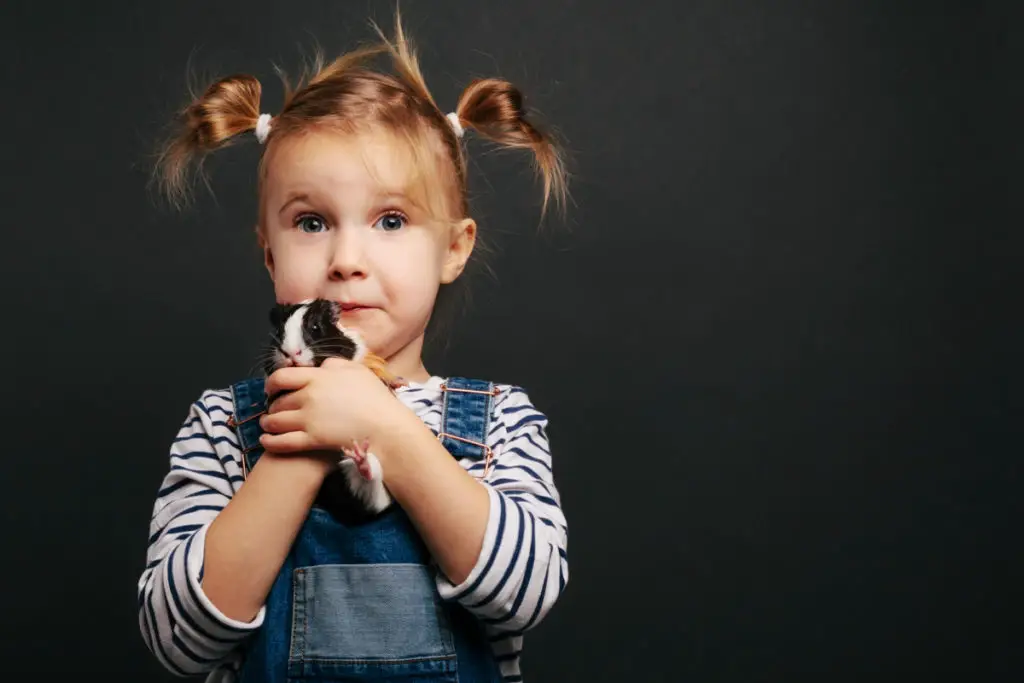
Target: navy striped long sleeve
(181,627)
(522,568)
(520,573)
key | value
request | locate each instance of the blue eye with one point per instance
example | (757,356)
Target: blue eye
(391,221)
(310,223)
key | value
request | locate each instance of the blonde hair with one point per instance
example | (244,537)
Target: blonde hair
(347,96)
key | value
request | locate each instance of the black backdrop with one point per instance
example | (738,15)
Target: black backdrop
(775,338)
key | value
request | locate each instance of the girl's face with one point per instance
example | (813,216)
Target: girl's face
(334,230)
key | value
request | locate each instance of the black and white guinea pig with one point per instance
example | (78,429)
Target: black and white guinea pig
(308,333)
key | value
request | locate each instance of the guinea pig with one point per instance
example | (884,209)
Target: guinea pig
(307,334)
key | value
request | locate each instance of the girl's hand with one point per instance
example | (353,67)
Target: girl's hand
(329,407)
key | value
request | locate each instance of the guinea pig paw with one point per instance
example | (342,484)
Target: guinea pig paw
(371,469)
(364,461)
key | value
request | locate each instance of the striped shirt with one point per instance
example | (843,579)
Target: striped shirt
(520,573)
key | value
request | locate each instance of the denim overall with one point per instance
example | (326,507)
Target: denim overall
(358,602)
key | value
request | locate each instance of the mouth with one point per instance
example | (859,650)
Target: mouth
(353,307)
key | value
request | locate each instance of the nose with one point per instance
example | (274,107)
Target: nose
(348,259)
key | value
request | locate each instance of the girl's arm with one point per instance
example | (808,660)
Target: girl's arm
(500,543)
(195,605)
(448,506)
(248,541)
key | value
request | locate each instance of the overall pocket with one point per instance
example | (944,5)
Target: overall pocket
(371,622)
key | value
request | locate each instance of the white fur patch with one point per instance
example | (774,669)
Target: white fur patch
(293,344)
(371,492)
(360,353)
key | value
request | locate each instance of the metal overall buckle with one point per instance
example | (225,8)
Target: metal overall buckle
(488,453)
(232,422)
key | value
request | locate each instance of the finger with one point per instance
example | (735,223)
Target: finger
(291,400)
(281,422)
(334,363)
(290,442)
(288,378)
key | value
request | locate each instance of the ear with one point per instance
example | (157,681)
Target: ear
(334,312)
(461,239)
(268,256)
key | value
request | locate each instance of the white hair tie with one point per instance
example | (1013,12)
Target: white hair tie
(453,118)
(263,127)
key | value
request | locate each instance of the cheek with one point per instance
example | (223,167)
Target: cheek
(412,286)
(293,276)
(419,273)
(413,265)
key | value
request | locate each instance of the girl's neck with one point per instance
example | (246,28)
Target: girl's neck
(419,375)
(407,362)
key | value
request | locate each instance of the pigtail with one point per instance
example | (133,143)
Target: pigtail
(494,109)
(229,106)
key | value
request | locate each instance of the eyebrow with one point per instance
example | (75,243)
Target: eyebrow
(393,195)
(300,197)
(379,197)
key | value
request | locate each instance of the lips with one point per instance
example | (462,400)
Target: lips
(353,307)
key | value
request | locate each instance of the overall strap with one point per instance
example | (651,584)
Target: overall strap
(250,402)
(466,418)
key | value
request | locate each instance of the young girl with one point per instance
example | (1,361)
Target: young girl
(362,200)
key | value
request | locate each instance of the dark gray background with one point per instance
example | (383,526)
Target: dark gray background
(776,340)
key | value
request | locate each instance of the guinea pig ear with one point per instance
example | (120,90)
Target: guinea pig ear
(334,309)
(325,310)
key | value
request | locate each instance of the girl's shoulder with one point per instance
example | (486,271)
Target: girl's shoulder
(510,403)
(435,387)
(216,400)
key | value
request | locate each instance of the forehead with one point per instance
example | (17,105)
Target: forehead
(346,166)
